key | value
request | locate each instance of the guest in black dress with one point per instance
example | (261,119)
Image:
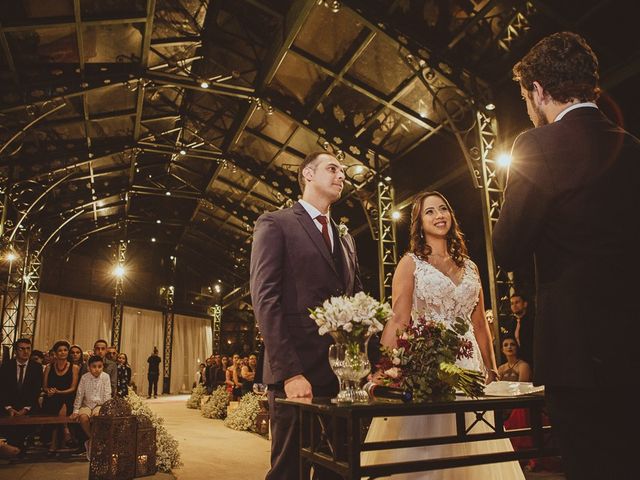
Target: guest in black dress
(124,375)
(60,384)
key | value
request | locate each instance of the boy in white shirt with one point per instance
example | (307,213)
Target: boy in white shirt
(93,390)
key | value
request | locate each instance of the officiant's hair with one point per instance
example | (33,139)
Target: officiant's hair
(456,245)
(564,64)
(308,161)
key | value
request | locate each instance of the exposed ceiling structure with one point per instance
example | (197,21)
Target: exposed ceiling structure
(179,122)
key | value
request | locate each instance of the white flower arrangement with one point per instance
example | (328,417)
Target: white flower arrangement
(196,397)
(216,407)
(357,315)
(342,229)
(244,417)
(167,454)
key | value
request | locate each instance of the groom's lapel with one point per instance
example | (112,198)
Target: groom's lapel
(315,235)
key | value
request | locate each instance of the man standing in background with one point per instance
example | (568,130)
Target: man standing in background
(153,374)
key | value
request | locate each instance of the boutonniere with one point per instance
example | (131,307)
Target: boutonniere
(342,230)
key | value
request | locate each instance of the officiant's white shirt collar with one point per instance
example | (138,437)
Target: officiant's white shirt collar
(573,107)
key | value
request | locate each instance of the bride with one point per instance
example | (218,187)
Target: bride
(437,279)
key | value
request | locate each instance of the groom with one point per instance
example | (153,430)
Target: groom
(572,200)
(298,260)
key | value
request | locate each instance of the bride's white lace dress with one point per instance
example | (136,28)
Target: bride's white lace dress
(437,297)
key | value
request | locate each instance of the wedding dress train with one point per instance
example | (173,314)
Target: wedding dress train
(437,297)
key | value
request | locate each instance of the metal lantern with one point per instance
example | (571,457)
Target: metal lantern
(113,433)
(262,419)
(145,448)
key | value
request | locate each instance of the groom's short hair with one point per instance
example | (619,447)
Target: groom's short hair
(309,161)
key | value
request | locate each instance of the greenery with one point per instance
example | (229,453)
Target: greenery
(167,454)
(244,416)
(196,396)
(425,362)
(216,407)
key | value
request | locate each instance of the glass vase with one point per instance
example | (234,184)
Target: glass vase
(350,362)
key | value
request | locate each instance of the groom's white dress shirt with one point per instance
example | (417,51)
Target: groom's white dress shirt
(313,213)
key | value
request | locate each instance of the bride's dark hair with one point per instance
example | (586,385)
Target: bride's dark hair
(456,246)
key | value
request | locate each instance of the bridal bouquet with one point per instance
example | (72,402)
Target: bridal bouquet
(424,362)
(357,316)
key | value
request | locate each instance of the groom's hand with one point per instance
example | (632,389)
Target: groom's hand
(297,387)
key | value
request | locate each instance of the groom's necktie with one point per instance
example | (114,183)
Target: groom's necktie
(325,230)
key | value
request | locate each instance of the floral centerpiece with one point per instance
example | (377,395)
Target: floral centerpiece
(244,417)
(424,362)
(194,400)
(351,321)
(216,406)
(167,454)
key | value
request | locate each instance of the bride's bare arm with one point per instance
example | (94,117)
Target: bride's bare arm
(401,300)
(483,337)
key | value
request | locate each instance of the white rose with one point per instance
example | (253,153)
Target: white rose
(392,372)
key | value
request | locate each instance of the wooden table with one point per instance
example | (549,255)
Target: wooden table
(333,435)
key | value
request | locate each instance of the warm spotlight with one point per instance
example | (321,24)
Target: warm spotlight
(11,256)
(217,288)
(167,193)
(119,271)
(490,106)
(204,84)
(158,221)
(395,215)
(359,169)
(183,151)
(153,239)
(504,160)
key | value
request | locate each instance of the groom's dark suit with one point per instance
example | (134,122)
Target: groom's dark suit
(572,200)
(292,270)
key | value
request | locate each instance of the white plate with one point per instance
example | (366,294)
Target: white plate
(511,389)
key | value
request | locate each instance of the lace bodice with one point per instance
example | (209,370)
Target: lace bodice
(437,297)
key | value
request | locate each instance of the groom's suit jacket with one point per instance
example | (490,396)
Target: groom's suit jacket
(573,200)
(292,270)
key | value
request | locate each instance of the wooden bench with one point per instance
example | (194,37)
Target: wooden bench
(34,420)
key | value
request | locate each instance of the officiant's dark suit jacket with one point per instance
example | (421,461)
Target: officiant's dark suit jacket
(573,200)
(292,270)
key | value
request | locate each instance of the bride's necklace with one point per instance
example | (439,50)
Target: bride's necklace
(511,367)
(446,265)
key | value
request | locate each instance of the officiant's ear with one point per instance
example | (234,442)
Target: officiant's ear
(539,94)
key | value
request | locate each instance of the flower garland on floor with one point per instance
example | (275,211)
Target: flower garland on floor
(196,397)
(216,407)
(244,416)
(167,454)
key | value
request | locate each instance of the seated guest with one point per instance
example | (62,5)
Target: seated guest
(248,373)
(515,369)
(20,384)
(59,385)
(110,368)
(76,355)
(124,375)
(200,377)
(6,450)
(219,372)
(38,357)
(94,390)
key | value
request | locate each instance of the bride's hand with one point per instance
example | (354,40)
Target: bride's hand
(492,376)
(375,377)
